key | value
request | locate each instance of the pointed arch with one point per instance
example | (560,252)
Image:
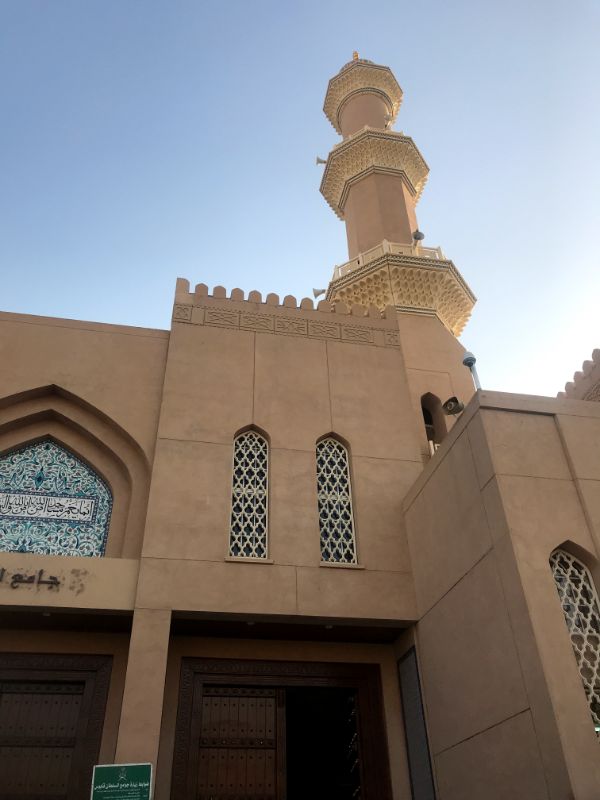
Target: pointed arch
(252,427)
(581,609)
(94,439)
(434,420)
(334,498)
(248,525)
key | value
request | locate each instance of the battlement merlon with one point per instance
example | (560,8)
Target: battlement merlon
(586,382)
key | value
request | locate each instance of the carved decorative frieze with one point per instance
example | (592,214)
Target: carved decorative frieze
(217,316)
(256,322)
(288,325)
(182,313)
(361,75)
(367,151)
(324,330)
(314,329)
(410,284)
(354,334)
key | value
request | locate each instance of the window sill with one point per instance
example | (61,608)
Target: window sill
(244,560)
(340,565)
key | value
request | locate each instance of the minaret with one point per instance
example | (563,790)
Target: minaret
(373,180)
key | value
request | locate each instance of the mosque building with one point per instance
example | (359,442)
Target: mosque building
(288,551)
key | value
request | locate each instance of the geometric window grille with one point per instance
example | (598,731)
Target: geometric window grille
(248,527)
(336,522)
(52,503)
(582,614)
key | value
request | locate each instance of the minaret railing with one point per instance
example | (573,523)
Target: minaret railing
(434,253)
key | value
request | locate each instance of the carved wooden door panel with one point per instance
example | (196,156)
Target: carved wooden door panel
(50,725)
(240,744)
(38,730)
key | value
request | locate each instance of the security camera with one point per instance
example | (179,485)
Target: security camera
(469,360)
(453,406)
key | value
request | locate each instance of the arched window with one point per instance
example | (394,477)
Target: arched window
(248,527)
(580,606)
(52,503)
(433,417)
(336,521)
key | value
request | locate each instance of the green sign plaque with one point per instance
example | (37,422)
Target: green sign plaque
(122,782)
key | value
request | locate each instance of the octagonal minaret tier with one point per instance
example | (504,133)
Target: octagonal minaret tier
(373,180)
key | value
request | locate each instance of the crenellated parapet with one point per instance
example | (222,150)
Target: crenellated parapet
(372,151)
(586,383)
(336,321)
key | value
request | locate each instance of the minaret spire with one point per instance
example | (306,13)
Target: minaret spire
(373,180)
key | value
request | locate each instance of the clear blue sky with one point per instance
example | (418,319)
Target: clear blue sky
(142,140)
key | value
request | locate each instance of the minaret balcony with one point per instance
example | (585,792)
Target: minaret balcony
(414,279)
(367,151)
(374,253)
(361,76)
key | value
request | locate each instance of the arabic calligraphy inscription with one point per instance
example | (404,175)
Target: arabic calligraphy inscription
(52,503)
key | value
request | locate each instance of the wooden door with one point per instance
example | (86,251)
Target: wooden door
(240,748)
(50,725)
(230,739)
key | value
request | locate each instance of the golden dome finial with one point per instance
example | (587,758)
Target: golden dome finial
(355,55)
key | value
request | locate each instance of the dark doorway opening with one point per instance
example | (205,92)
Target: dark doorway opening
(322,754)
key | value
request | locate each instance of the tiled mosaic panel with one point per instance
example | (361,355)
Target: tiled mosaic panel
(336,522)
(248,528)
(580,606)
(52,503)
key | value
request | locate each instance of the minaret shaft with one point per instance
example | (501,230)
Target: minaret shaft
(363,108)
(379,207)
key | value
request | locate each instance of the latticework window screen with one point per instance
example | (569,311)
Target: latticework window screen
(336,521)
(580,605)
(248,527)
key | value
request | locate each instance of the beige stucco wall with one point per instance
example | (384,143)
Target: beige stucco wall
(433,362)
(83,583)
(223,377)
(117,369)
(506,709)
